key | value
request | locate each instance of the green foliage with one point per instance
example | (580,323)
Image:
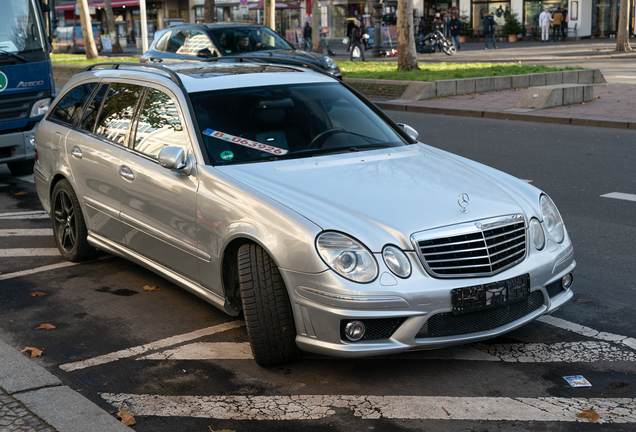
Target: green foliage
(466,28)
(512,25)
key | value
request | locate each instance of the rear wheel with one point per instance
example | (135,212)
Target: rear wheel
(268,314)
(69,228)
(21,168)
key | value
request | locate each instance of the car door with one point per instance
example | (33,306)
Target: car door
(94,149)
(158,205)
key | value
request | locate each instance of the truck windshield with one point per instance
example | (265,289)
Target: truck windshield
(21,28)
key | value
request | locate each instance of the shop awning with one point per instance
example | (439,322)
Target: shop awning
(279,5)
(97,4)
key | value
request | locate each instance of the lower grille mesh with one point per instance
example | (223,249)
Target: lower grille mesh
(554,288)
(448,324)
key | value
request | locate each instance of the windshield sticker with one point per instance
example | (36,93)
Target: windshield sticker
(227,155)
(245,142)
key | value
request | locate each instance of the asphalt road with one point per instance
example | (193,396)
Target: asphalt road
(178,380)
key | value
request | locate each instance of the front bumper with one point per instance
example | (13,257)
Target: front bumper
(17,146)
(323,302)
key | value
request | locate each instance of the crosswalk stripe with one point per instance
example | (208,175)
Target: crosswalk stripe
(620,196)
(36,270)
(28,252)
(314,407)
(37,214)
(587,331)
(26,232)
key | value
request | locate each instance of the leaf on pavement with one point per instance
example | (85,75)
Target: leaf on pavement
(583,300)
(597,97)
(126,418)
(150,288)
(32,352)
(38,294)
(591,415)
(18,193)
(45,327)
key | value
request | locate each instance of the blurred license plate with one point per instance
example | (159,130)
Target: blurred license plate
(492,295)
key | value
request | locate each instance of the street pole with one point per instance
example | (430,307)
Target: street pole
(377,24)
(144,25)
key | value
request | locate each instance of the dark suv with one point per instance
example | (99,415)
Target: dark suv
(207,41)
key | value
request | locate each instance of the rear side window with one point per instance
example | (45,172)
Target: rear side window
(116,115)
(89,116)
(176,41)
(70,107)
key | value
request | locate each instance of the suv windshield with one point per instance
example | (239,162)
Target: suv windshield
(20,28)
(238,40)
(287,121)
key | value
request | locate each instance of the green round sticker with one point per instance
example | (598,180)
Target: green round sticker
(3,81)
(227,155)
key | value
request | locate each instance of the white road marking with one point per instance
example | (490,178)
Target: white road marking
(313,407)
(27,178)
(28,252)
(37,214)
(586,331)
(36,270)
(141,349)
(205,351)
(563,352)
(620,196)
(26,232)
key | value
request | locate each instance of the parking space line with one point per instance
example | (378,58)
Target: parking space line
(587,331)
(313,407)
(26,232)
(37,214)
(28,252)
(36,270)
(620,196)
(205,351)
(141,349)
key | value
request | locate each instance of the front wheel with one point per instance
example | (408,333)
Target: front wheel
(69,228)
(448,48)
(268,313)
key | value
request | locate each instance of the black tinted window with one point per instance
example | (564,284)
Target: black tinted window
(90,113)
(116,115)
(69,108)
(176,41)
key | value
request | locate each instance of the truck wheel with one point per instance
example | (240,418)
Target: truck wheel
(69,228)
(21,168)
(268,314)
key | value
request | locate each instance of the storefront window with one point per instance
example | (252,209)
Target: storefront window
(532,10)
(604,17)
(498,9)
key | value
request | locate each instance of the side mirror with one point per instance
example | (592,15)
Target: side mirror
(174,159)
(409,131)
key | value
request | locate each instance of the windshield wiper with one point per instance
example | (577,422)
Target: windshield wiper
(14,55)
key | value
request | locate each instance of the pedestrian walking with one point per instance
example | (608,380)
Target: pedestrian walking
(307,37)
(489,29)
(544,23)
(455,28)
(356,40)
(557,19)
(350,26)
(421,29)
(363,31)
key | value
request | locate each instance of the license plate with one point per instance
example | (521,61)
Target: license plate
(492,295)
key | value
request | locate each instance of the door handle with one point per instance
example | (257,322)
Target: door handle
(126,172)
(77,152)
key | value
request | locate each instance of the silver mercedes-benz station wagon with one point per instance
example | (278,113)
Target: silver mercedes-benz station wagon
(280,193)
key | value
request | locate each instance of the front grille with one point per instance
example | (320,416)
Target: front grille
(479,248)
(18,106)
(381,328)
(554,288)
(448,324)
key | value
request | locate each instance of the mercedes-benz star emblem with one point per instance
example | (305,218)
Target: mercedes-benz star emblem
(463,200)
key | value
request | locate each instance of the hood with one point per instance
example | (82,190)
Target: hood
(384,196)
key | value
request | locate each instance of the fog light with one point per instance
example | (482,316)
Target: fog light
(567,280)
(354,330)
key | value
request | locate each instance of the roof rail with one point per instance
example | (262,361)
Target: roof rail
(187,24)
(173,76)
(267,59)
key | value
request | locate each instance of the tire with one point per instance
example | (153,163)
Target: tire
(24,167)
(448,48)
(69,227)
(268,313)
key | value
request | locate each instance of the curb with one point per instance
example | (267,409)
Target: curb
(43,394)
(500,115)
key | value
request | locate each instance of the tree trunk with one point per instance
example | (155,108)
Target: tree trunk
(269,14)
(407,54)
(87,30)
(112,29)
(209,11)
(622,37)
(315,27)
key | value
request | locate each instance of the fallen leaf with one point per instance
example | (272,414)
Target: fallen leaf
(583,300)
(150,288)
(583,103)
(591,415)
(127,419)
(447,413)
(38,294)
(45,327)
(32,352)
(604,85)
(18,193)
(597,97)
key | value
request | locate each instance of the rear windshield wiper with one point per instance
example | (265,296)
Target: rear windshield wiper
(14,55)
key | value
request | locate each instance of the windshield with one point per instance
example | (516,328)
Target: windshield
(287,121)
(20,27)
(239,40)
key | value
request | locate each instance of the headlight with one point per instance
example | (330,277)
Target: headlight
(347,257)
(397,261)
(40,107)
(329,63)
(551,218)
(536,234)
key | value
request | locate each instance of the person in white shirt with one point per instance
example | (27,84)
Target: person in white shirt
(544,23)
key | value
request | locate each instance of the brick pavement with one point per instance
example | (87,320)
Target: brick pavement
(14,417)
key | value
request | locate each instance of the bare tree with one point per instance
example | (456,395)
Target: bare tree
(112,29)
(622,37)
(87,30)
(407,54)
(209,11)
(315,27)
(269,14)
